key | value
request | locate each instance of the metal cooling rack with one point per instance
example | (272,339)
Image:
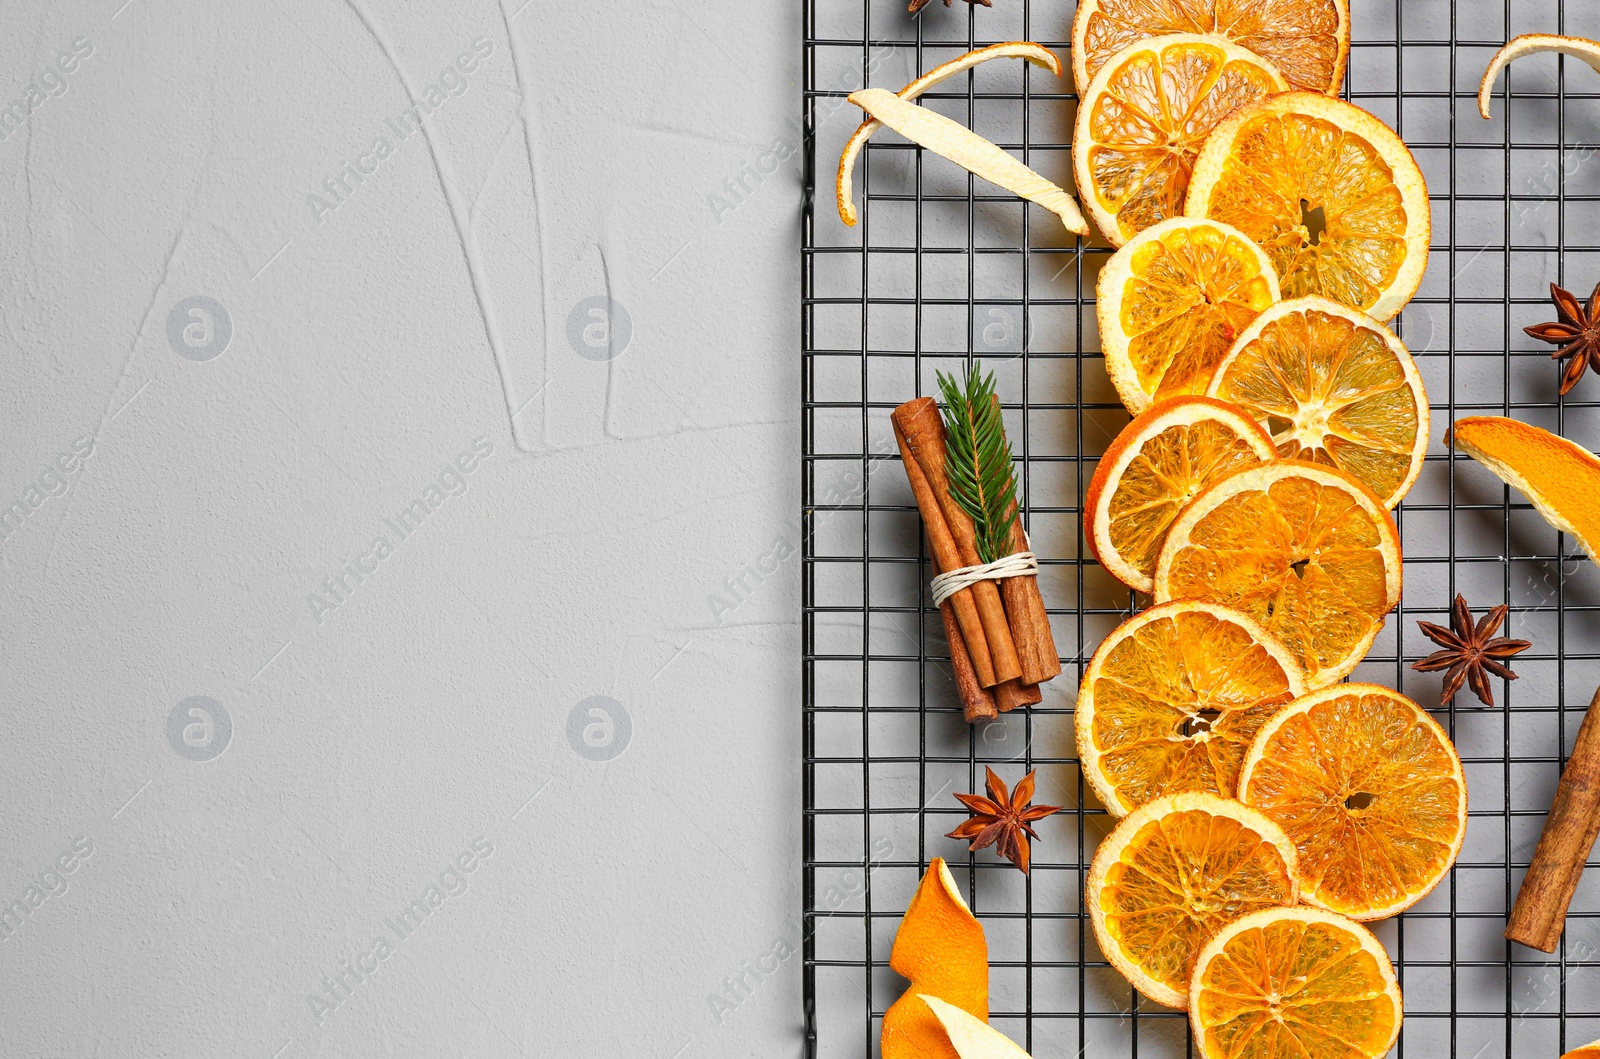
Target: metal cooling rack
(942,270)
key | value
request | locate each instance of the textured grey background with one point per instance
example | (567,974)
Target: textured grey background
(630,538)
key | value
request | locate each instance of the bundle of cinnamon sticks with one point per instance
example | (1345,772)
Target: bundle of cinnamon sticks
(1001,647)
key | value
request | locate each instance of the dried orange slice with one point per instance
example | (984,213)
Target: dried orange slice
(1172,700)
(1174,872)
(940,946)
(1306,551)
(1288,983)
(844,189)
(1171,302)
(1329,191)
(1157,465)
(1308,40)
(1560,479)
(1530,44)
(1335,387)
(1588,1051)
(1371,791)
(1143,117)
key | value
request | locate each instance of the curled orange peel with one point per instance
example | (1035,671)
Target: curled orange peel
(1559,478)
(953,140)
(844,187)
(1532,44)
(972,1038)
(940,947)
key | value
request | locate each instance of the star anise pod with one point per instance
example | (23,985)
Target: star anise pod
(1577,334)
(1003,820)
(1471,652)
(918,5)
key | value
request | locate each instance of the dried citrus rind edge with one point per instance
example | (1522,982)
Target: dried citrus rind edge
(1533,44)
(953,140)
(970,1036)
(1369,943)
(1408,367)
(1083,720)
(1104,220)
(1514,477)
(844,186)
(1111,848)
(1110,289)
(1302,705)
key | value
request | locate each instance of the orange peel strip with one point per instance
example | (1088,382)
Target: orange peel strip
(1560,478)
(953,140)
(1532,44)
(844,187)
(971,1037)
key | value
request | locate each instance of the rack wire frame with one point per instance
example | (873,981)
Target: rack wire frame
(943,270)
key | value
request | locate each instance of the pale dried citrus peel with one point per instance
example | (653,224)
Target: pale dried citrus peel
(952,140)
(1560,479)
(1532,44)
(972,1037)
(941,947)
(844,188)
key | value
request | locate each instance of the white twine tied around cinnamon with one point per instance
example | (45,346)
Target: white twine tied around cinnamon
(1018,564)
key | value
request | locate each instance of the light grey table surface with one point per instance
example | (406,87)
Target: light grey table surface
(359,566)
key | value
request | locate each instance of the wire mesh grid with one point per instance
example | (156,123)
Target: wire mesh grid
(944,269)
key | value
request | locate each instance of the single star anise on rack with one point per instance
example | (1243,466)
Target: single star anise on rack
(1471,652)
(1577,334)
(918,5)
(1002,820)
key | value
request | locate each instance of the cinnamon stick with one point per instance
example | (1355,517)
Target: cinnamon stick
(918,421)
(1030,623)
(1014,693)
(977,704)
(948,557)
(1540,913)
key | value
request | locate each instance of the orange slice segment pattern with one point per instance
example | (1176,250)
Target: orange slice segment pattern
(1172,700)
(1328,190)
(1309,40)
(1171,304)
(941,948)
(1306,551)
(1371,791)
(1171,874)
(1292,983)
(1334,387)
(1143,118)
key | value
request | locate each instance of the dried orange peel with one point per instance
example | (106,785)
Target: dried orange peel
(953,140)
(1588,1051)
(844,187)
(1559,478)
(941,948)
(971,1037)
(1532,44)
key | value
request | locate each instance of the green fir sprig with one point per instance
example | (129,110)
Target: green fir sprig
(977,461)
